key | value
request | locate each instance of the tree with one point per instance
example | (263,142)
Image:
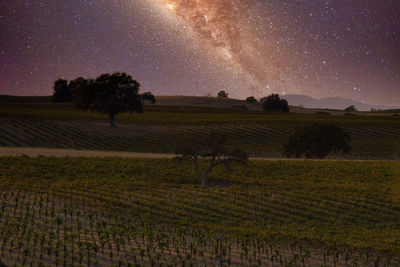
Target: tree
(81,89)
(351,108)
(62,92)
(274,103)
(111,94)
(213,149)
(148,96)
(317,141)
(222,94)
(251,99)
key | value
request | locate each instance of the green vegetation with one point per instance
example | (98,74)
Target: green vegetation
(109,93)
(316,141)
(274,103)
(71,211)
(62,92)
(125,212)
(161,128)
(213,149)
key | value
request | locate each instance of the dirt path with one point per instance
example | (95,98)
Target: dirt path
(59,152)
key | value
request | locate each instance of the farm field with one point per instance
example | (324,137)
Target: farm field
(109,211)
(161,128)
(122,212)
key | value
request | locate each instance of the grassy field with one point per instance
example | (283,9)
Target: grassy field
(109,211)
(161,128)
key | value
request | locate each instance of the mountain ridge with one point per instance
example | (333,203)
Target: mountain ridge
(335,102)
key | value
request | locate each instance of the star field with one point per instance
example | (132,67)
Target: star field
(193,47)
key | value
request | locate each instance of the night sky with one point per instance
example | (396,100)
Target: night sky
(347,48)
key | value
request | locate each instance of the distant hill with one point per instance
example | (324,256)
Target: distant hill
(198,101)
(332,103)
(298,103)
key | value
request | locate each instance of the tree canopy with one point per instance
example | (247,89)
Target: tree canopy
(317,141)
(110,93)
(222,94)
(351,108)
(251,99)
(62,91)
(212,148)
(274,103)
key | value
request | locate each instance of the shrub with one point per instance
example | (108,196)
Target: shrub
(317,141)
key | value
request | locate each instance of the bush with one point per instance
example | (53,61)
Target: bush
(317,141)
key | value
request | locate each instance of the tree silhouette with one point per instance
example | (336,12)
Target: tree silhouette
(251,99)
(274,103)
(62,92)
(213,149)
(317,141)
(351,108)
(111,94)
(222,94)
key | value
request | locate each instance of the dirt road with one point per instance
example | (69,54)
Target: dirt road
(58,152)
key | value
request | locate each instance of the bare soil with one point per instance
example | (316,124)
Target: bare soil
(56,152)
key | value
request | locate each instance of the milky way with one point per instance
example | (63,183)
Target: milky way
(319,48)
(225,26)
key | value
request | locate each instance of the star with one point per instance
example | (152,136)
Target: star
(245,47)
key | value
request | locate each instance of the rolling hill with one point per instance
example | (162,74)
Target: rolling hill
(332,103)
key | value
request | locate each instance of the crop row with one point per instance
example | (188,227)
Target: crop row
(50,229)
(263,140)
(100,211)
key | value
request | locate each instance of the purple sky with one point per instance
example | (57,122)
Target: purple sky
(246,47)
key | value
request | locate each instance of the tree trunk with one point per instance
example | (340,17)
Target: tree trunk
(209,169)
(112,120)
(204,180)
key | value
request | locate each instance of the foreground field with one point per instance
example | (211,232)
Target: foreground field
(160,129)
(113,211)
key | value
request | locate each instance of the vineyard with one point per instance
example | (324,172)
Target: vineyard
(126,212)
(153,212)
(160,129)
